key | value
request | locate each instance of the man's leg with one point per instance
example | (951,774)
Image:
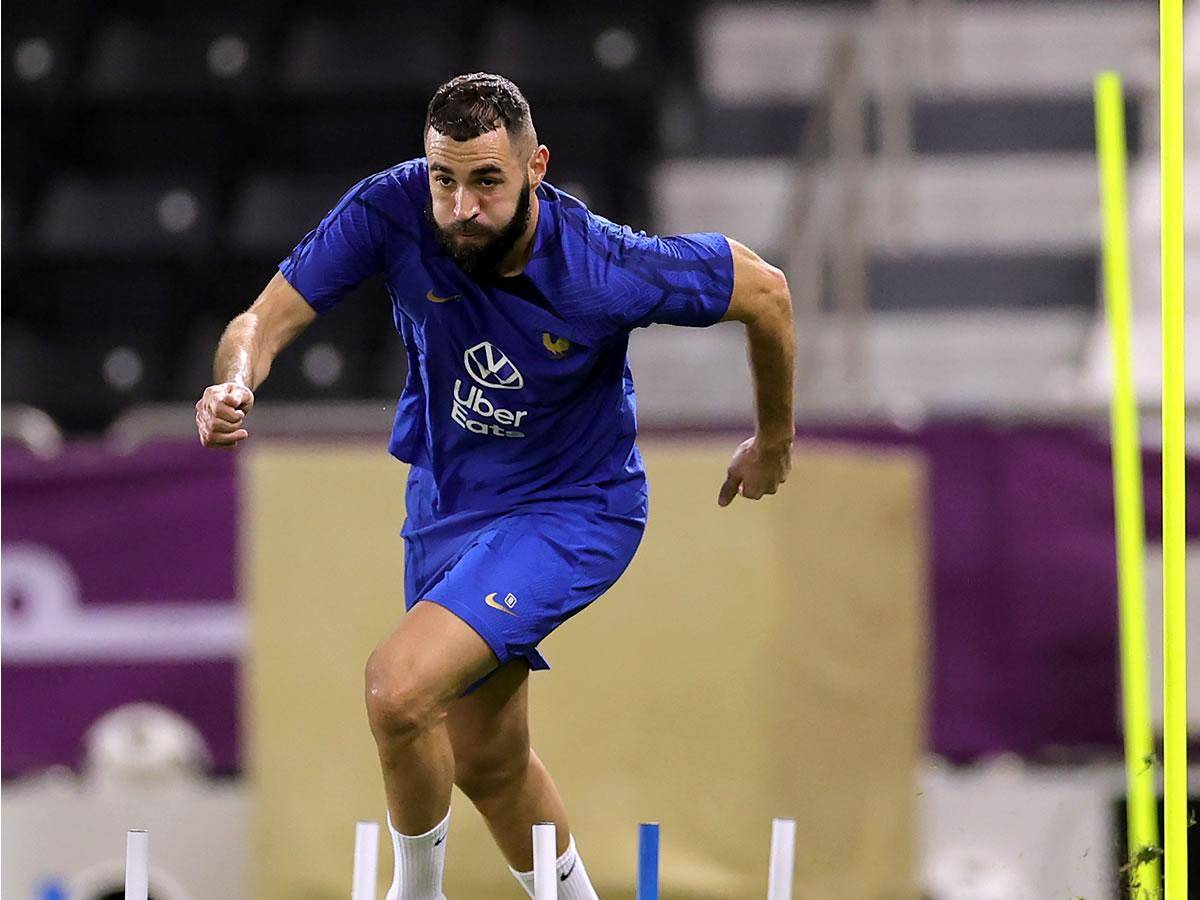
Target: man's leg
(497,769)
(412,677)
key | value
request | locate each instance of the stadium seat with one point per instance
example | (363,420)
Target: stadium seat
(379,55)
(1034,204)
(22,360)
(941,125)
(150,138)
(580,55)
(229,288)
(173,57)
(1035,246)
(348,352)
(1048,47)
(713,129)
(591,134)
(1013,124)
(332,358)
(342,137)
(114,339)
(25,295)
(23,140)
(603,191)
(193,369)
(974,281)
(599,151)
(39,45)
(151,217)
(754,52)
(35,148)
(88,381)
(146,303)
(271,212)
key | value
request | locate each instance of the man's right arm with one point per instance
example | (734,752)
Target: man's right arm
(244,356)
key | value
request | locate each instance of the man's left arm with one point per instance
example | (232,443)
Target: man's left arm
(761,301)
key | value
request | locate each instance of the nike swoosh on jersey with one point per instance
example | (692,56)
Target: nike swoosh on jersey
(567,874)
(491,601)
(434,298)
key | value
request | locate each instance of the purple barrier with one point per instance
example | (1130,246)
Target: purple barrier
(118,586)
(1024,605)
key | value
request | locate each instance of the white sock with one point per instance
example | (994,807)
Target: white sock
(420,860)
(573,883)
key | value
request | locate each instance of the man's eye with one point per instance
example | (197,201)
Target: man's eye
(444,180)
(488,182)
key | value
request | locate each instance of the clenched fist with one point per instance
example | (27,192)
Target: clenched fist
(220,415)
(757,469)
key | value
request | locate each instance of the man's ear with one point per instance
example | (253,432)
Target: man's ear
(538,163)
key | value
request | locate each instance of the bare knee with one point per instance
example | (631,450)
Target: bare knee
(491,769)
(399,708)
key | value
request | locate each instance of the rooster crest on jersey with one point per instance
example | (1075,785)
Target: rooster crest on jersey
(558,346)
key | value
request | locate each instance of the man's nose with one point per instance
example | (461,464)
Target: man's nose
(466,204)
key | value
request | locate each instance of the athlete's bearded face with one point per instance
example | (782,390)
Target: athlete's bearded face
(479,197)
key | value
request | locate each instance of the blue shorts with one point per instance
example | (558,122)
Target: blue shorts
(515,575)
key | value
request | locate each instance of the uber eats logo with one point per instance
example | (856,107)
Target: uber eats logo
(488,367)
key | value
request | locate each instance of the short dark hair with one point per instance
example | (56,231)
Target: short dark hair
(470,105)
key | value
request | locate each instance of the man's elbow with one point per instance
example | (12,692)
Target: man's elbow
(760,290)
(773,300)
(781,296)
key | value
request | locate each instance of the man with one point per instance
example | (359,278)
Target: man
(526,496)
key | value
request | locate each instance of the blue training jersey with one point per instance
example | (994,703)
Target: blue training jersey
(519,389)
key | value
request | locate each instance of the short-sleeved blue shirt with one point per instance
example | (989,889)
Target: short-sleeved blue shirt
(519,389)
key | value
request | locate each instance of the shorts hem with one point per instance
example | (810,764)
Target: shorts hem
(501,651)
(536,661)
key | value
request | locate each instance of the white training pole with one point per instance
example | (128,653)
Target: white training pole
(366,860)
(545,856)
(137,865)
(783,859)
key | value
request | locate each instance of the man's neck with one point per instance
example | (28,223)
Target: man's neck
(516,258)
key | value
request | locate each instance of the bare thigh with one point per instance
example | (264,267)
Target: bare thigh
(430,658)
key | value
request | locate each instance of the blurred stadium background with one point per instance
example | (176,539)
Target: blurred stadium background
(924,172)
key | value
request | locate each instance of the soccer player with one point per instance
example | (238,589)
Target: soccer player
(526,495)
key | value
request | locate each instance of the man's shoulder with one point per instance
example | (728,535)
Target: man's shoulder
(615,277)
(411,172)
(591,264)
(583,231)
(408,177)
(397,195)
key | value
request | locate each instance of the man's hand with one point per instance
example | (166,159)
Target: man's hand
(757,468)
(220,414)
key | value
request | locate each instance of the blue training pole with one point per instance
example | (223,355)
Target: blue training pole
(647,885)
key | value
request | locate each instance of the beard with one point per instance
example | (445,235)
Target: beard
(482,258)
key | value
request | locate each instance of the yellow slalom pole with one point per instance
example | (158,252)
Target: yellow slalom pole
(1173,417)
(1145,873)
